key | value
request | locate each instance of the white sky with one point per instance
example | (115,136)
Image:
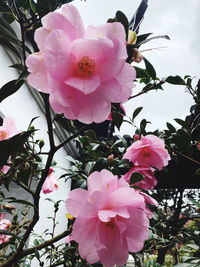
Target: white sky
(179,20)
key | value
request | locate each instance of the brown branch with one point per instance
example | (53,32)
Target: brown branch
(29,251)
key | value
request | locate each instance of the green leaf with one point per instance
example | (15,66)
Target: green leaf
(12,146)
(63,122)
(136,177)
(182,123)
(121,17)
(182,140)
(10,88)
(171,127)
(91,134)
(141,38)
(18,66)
(141,73)
(100,165)
(175,80)
(117,119)
(150,69)
(32,5)
(6,44)
(136,112)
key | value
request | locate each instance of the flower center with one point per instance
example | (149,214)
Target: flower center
(85,67)
(111,223)
(146,152)
(3,135)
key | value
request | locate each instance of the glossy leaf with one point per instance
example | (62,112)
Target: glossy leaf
(177,80)
(136,112)
(121,17)
(10,88)
(150,69)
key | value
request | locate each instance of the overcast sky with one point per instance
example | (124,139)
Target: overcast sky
(179,20)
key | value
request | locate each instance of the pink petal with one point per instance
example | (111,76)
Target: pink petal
(76,199)
(58,60)
(85,232)
(84,85)
(40,38)
(137,230)
(56,21)
(72,14)
(111,248)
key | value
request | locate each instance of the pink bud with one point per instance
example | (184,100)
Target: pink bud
(136,137)
(137,57)
(110,157)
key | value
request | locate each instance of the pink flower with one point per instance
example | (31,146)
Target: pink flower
(5,168)
(149,181)
(50,184)
(82,70)
(8,129)
(111,219)
(123,114)
(5,226)
(148,152)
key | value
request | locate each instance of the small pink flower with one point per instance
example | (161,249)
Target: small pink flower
(111,219)
(50,184)
(82,70)
(149,151)
(8,129)
(149,181)
(5,168)
(5,226)
(123,114)
(111,156)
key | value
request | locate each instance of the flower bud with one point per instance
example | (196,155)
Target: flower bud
(198,146)
(136,137)
(137,57)
(132,38)
(26,166)
(41,143)
(110,157)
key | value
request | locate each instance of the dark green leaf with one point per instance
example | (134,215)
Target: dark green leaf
(12,146)
(171,127)
(117,119)
(181,122)
(182,140)
(100,165)
(141,38)
(10,47)
(32,5)
(136,177)
(17,66)
(136,112)
(150,69)
(63,122)
(121,17)
(10,88)
(175,80)
(140,73)
(91,134)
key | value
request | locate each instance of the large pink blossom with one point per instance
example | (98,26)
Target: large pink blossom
(5,226)
(150,151)
(51,183)
(111,219)
(8,129)
(82,70)
(149,181)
